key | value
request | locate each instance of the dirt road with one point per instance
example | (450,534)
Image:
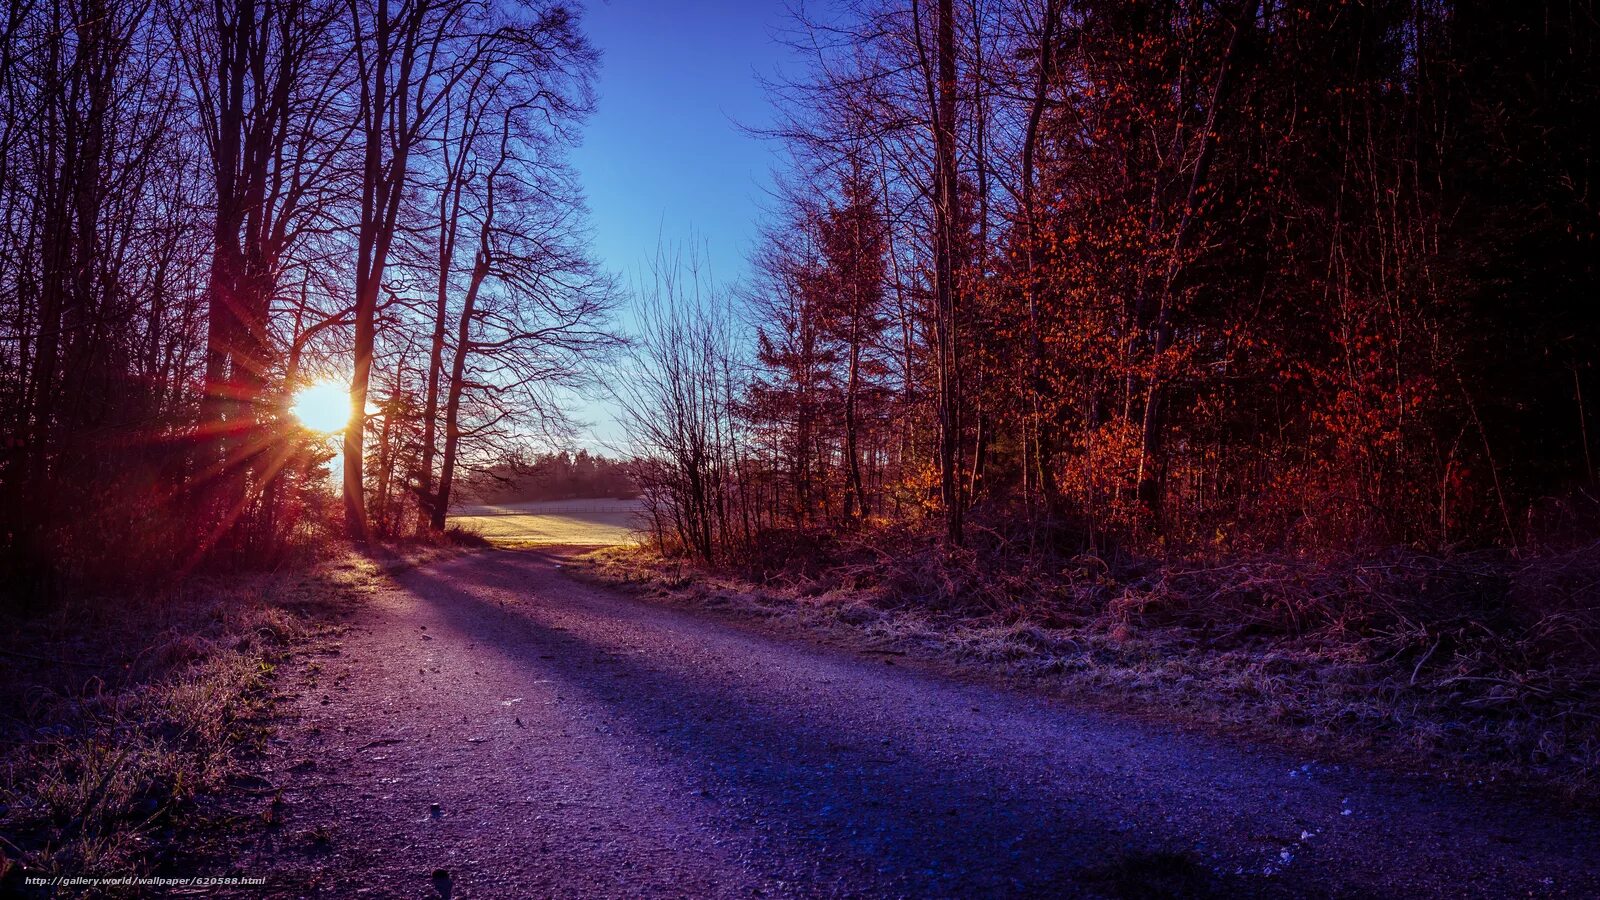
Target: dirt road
(494,728)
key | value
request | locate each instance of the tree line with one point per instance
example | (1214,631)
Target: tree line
(207,206)
(1201,275)
(563,475)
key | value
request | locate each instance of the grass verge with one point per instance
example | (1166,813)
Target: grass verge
(1335,660)
(121,719)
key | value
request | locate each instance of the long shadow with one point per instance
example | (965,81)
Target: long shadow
(825,805)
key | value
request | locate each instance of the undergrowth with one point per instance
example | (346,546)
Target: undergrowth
(1472,666)
(120,716)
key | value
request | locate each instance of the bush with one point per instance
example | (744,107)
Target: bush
(788,553)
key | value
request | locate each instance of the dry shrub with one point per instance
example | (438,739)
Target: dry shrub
(1485,633)
(1290,595)
(459,536)
(1556,601)
(1010,576)
(788,554)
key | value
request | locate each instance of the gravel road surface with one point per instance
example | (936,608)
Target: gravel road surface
(491,727)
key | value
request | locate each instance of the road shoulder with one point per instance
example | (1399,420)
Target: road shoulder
(1256,692)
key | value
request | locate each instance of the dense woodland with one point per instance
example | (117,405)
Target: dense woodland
(1178,276)
(207,206)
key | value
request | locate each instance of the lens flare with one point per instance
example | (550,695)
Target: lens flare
(324,406)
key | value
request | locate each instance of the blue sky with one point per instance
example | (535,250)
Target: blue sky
(664,158)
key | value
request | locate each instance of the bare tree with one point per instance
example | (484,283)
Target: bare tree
(677,394)
(408,59)
(265,79)
(533,307)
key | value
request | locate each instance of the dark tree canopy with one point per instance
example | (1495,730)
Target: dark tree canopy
(1251,274)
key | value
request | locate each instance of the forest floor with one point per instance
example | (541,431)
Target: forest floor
(492,725)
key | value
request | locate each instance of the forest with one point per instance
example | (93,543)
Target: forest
(1187,279)
(551,476)
(211,210)
(1176,277)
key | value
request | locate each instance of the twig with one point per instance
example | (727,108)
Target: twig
(1425,657)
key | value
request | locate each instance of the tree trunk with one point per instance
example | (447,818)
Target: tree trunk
(458,371)
(1043,431)
(386,115)
(946,216)
(449,222)
(855,495)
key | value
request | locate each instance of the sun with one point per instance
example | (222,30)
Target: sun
(324,406)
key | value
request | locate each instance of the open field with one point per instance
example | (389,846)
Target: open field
(598,522)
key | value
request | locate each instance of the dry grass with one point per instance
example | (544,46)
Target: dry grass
(118,719)
(1470,667)
(572,523)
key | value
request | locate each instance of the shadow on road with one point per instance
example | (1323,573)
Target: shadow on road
(826,793)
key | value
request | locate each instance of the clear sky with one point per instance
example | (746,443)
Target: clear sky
(664,157)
